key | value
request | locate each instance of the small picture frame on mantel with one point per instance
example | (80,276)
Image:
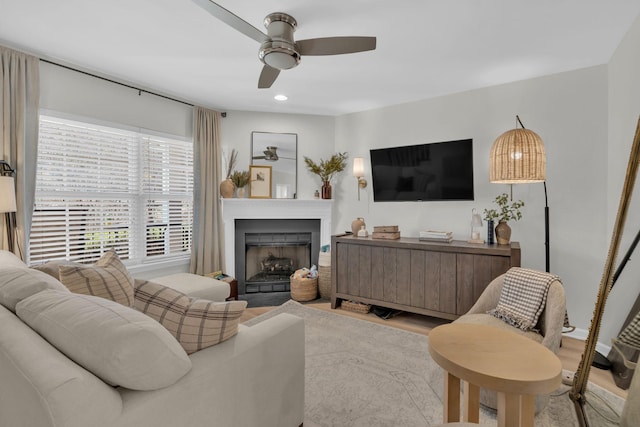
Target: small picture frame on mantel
(259,182)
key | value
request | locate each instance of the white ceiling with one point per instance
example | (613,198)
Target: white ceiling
(425,48)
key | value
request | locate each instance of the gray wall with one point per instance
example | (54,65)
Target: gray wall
(624,112)
(569,112)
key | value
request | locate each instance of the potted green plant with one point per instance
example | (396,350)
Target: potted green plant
(326,169)
(240,179)
(506,212)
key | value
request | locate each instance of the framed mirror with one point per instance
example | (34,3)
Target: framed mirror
(280,151)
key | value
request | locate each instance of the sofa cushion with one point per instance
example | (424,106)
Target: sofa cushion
(52,268)
(107,278)
(18,283)
(9,259)
(117,344)
(195,323)
(196,286)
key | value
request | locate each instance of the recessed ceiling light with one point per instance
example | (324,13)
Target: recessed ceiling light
(280,97)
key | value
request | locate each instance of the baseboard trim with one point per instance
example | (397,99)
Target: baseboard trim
(582,334)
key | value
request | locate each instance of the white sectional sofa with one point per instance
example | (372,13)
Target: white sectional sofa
(196,286)
(255,378)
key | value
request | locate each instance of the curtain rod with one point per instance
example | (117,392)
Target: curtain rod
(118,83)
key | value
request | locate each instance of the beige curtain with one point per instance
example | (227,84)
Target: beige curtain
(207,243)
(19,100)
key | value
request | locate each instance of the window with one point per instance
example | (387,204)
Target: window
(100,187)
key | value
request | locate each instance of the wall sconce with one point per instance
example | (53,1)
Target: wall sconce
(8,201)
(358,172)
(476,227)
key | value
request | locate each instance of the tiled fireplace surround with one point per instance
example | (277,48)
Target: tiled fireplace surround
(233,209)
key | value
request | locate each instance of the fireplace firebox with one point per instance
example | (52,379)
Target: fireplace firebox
(268,251)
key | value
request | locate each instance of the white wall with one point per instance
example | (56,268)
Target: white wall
(624,113)
(315,140)
(71,92)
(569,112)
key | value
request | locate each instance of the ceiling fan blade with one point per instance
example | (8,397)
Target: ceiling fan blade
(335,45)
(267,77)
(232,20)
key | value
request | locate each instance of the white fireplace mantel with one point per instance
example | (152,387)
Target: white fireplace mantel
(233,209)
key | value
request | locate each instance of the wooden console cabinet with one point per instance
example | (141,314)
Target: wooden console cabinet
(436,279)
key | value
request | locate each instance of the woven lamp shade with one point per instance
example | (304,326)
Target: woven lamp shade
(517,156)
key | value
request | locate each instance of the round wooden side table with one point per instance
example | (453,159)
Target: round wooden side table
(516,367)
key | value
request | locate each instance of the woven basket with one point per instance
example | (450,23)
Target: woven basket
(324,259)
(357,307)
(324,281)
(303,288)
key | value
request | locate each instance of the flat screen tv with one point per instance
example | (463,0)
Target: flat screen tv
(426,172)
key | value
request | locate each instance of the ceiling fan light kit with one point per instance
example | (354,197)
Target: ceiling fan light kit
(278,49)
(279,52)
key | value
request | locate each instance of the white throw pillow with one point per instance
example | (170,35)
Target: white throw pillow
(18,283)
(116,343)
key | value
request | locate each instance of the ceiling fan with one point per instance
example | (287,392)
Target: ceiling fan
(278,50)
(270,154)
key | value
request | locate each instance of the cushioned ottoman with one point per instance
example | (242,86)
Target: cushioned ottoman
(196,286)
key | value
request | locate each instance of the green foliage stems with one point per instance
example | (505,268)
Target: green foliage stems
(327,168)
(506,212)
(240,178)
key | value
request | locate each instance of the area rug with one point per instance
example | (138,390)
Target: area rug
(362,374)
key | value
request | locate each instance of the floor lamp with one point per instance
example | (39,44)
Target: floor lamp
(518,157)
(8,201)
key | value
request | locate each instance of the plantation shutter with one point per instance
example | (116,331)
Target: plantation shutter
(168,196)
(101,188)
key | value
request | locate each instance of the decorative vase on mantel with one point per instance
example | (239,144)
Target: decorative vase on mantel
(503,233)
(326,190)
(227,188)
(240,192)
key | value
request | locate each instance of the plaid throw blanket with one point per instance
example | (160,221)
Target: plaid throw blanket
(523,297)
(631,334)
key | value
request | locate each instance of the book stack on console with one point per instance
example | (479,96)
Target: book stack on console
(389,232)
(436,236)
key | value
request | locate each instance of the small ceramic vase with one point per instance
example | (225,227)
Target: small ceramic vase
(356,225)
(227,188)
(503,233)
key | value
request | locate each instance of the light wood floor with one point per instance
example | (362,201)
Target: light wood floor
(570,352)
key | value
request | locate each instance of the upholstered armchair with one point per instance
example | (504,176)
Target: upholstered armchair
(549,326)
(631,413)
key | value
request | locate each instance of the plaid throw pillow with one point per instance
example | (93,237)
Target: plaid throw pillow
(52,268)
(195,323)
(108,278)
(523,297)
